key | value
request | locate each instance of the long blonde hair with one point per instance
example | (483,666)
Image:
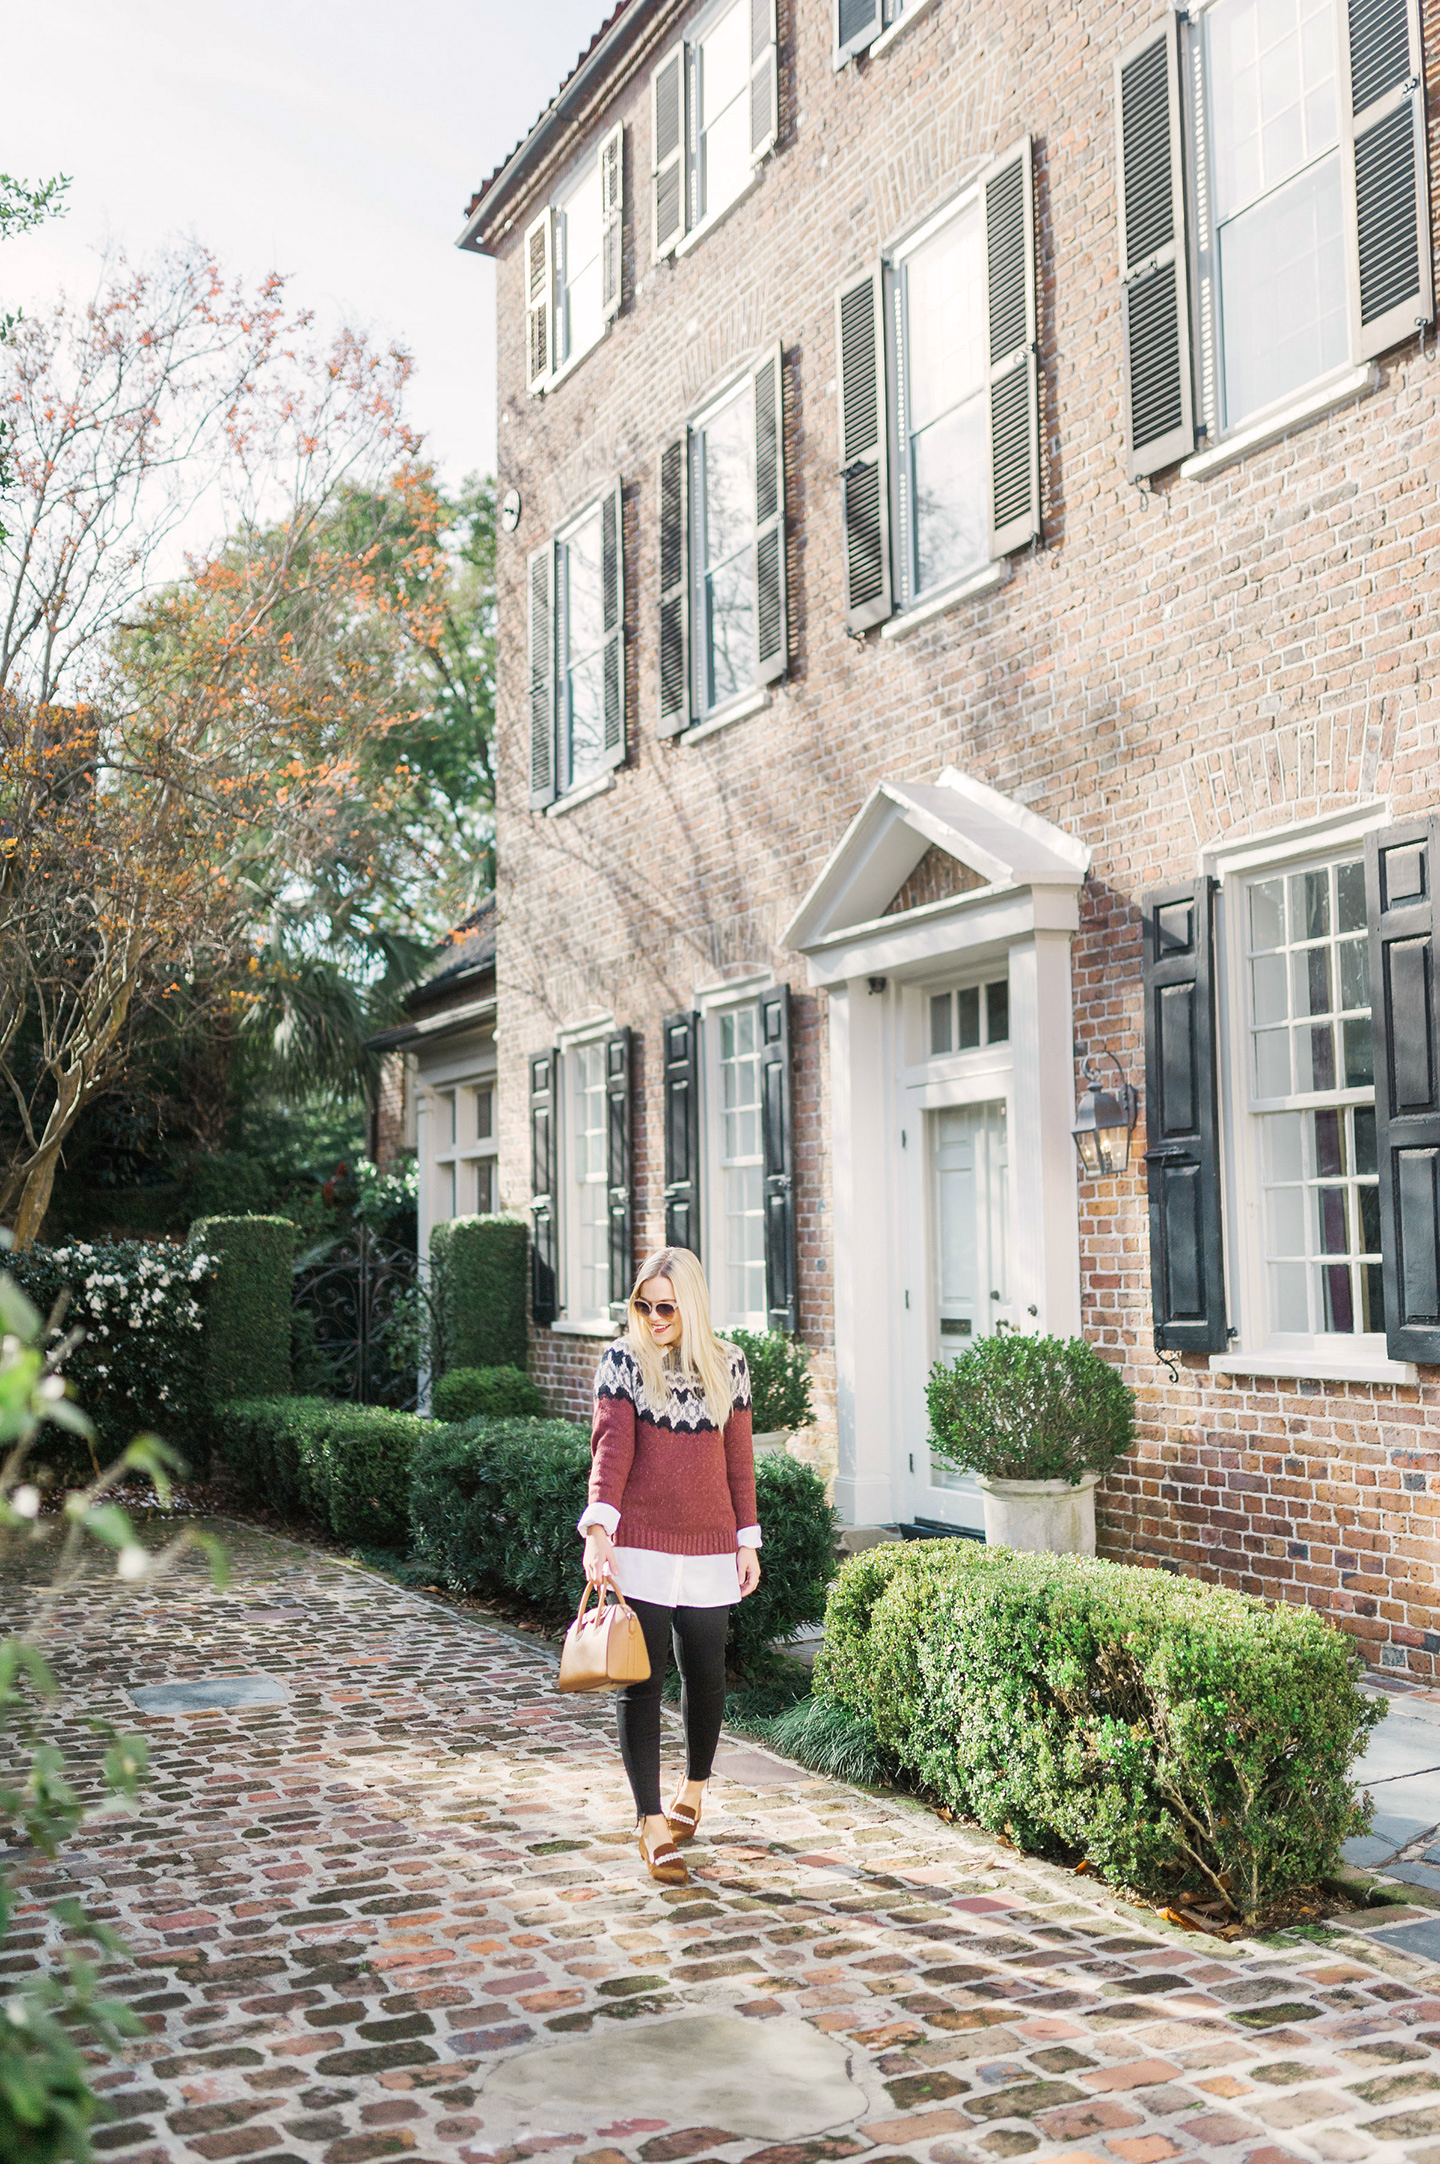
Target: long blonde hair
(700,1356)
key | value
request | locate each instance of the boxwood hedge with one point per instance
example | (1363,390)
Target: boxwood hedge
(1177,1735)
(470,1393)
(348,1465)
(478,1277)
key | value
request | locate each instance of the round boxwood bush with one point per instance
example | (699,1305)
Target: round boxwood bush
(495,1393)
(780,1386)
(1030,1408)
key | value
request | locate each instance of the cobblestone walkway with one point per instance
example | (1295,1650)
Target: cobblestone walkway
(399,1912)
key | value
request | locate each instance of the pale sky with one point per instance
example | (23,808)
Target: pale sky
(337,142)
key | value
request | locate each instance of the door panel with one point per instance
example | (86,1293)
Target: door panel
(970,1292)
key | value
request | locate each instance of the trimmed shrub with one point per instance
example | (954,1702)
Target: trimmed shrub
(247,1315)
(493,1506)
(141,1364)
(1179,1736)
(348,1465)
(478,1283)
(780,1386)
(1030,1408)
(488,1393)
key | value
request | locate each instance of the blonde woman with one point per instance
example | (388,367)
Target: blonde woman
(671,1523)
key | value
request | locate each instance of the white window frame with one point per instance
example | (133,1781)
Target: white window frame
(696,224)
(1255,1348)
(439,1074)
(747,696)
(1342,381)
(588,171)
(600,776)
(912,600)
(572,1316)
(712,1006)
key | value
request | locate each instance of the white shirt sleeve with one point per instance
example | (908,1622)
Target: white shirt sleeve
(601,1514)
(748,1537)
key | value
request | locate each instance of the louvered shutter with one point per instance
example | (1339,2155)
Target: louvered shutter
(1388,196)
(1182,1162)
(540,590)
(1008,195)
(857,22)
(1154,303)
(771,642)
(539,300)
(667,151)
(1401,865)
(864,448)
(612,600)
(681,1038)
(618,1168)
(764,79)
(544,1198)
(674,587)
(612,216)
(775,1126)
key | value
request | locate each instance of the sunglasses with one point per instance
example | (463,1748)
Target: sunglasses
(662,1310)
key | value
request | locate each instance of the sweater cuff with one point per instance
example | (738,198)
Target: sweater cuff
(601,1514)
(749,1536)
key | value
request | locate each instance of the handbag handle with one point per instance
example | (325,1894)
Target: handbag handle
(606,1591)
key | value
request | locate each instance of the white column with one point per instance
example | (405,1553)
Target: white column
(1042,1154)
(865,1353)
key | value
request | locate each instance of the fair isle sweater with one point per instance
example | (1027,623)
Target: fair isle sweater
(680,1484)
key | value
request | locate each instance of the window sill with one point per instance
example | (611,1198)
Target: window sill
(601,1326)
(1323,398)
(979,582)
(581,794)
(697,233)
(567,368)
(1316,1367)
(750,702)
(898,28)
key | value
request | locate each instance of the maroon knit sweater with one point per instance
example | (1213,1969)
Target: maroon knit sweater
(679,1484)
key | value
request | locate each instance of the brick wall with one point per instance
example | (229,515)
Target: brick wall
(1172,666)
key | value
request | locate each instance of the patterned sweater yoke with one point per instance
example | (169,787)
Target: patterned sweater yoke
(682,1486)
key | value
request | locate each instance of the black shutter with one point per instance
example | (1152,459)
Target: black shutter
(864,445)
(780,1289)
(764,79)
(857,24)
(1384,137)
(1155,302)
(674,594)
(1400,867)
(544,1184)
(667,152)
(771,641)
(1012,350)
(1182,1162)
(618,1173)
(681,1037)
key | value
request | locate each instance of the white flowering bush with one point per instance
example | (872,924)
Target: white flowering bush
(135,1310)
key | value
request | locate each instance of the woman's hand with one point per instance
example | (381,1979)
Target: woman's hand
(599,1556)
(748,1563)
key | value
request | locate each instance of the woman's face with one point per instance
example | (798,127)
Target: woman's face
(657,1291)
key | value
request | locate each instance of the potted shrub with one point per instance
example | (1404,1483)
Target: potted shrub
(1038,1421)
(780,1385)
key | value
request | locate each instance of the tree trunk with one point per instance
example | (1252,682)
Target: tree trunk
(35,1197)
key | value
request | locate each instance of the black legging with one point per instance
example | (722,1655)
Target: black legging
(699,1635)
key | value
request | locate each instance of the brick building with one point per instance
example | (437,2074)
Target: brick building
(965,614)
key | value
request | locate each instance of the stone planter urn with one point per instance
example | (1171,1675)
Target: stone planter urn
(1040,1516)
(771,1439)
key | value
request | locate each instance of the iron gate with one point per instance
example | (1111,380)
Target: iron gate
(362,1318)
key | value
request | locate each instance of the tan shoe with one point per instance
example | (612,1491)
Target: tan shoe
(683,1819)
(665,1863)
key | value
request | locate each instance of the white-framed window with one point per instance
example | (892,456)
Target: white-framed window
(860,23)
(571,265)
(463,1150)
(714,102)
(1274,214)
(722,497)
(970,1016)
(586,1172)
(938,297)
(738,1186)
(581,638)
(1300,1094)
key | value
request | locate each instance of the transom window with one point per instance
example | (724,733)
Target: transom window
(975,1015)
(1312,1091)
(590,1257)
(1269,89)
(723,469)
(580,625)
(940,321)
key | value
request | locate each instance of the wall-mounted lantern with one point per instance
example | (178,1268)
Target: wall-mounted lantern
(1104,1121)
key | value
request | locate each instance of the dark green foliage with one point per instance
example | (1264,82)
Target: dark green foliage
(478,1277)
(1030,1408)
(1176,1735)
(229,1183)
(247,1318)
(489,1393)
(780,1386)
(818,1733)
(347,1465)
(493,1506)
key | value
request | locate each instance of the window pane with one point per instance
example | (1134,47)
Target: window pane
(1309,905)
(969,1004)
(1282,292)
(951,530)
(585,610)
(729,482)
(1287,1293)
(730,629)
(741,1172)
(1355,973)
(586,685)
(1267,915)
(1267,981)
(580,266)
(726,541)
(590,1179)
(1272,1063)
(724,81)
(583,641)
(997,1011)
(1350,895)
(445,1191)
(940,1024)
(1270,68)
(485,1186)
(484,1114)
(945,288)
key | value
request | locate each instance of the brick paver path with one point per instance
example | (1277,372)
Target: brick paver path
(347,1910)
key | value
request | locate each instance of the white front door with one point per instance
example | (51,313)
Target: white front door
(969,1168)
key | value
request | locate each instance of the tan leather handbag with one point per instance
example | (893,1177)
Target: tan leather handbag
(605,1649)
